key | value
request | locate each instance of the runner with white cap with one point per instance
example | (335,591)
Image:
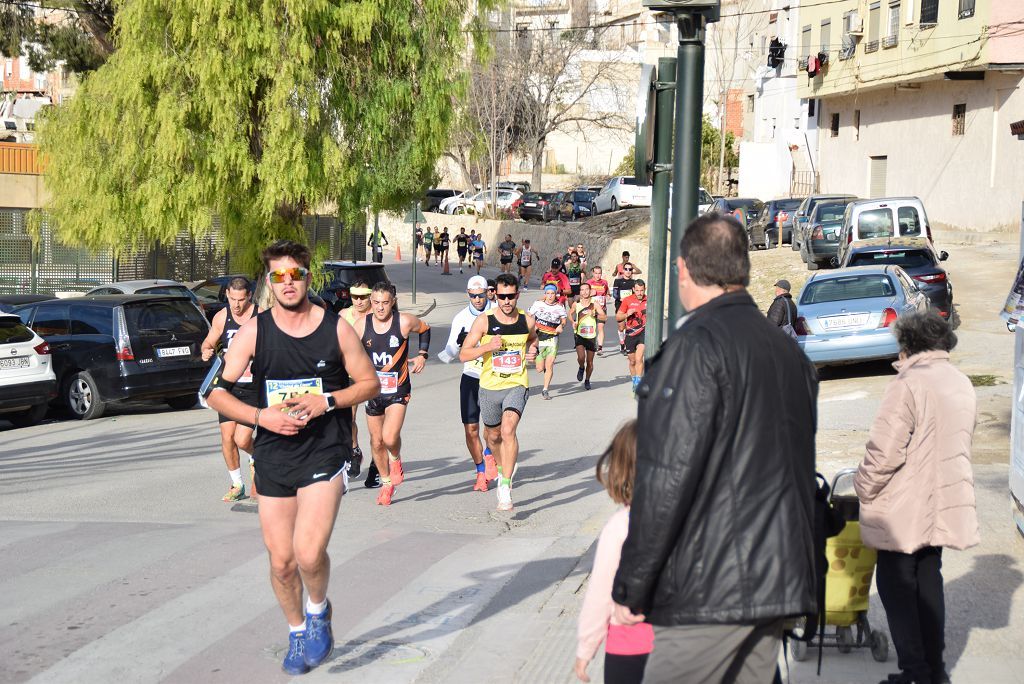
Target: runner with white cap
(469,388)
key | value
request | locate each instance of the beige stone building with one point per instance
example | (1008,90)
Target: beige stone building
(916,97)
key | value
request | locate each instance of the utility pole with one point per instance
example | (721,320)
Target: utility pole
(655,159)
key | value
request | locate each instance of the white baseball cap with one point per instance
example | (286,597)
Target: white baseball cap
(477,282)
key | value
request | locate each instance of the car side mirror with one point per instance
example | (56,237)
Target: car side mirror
(943,255)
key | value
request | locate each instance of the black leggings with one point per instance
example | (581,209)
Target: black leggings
(624,669)
(910,586)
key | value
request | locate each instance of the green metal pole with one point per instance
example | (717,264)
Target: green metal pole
(415,224)
(686,162)
(664,104)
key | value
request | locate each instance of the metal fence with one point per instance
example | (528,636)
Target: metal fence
(803,183)
(48,266)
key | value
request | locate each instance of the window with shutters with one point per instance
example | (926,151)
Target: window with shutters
(826,35)
(959,118)
(966,9)
(874,26)
(892,32)
(929,13)
(805,46)
(835,126)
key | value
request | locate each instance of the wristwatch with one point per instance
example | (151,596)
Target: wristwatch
(331,403)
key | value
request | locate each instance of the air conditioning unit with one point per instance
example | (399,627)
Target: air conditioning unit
(856,26)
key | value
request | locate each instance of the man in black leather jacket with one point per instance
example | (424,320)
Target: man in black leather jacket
(720,546)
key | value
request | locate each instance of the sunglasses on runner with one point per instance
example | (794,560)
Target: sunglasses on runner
(628,270)
(507,295)
(359,297)
(477,295)
(295,273)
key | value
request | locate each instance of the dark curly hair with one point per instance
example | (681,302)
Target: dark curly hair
(921,332)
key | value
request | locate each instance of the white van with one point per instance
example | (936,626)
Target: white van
(881,218)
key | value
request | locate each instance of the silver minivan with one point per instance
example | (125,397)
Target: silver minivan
(887,217)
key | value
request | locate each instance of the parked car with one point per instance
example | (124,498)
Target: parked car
(821,239)
(8,302)
(591,188)
(747,210)
(883,218)
(764,232)
(704,201)
(538,205)
(435,196)
(342,274)
(27,381)
(521,187)
(914,255)
(803,214)
(115,348)
(619,192)
(448,204)
(485,201)
(212,293)
(575,204)
(156,286)
(846,315)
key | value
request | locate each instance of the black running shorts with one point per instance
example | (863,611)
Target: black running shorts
(244,392)
(462,252)
(589,344)
(380,403)
(632,341)
(285,479)
(469,399)
(506,260)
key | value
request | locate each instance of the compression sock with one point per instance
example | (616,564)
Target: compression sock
(487,451)
(480,467)
(236,477)
(315,608)
(507,481)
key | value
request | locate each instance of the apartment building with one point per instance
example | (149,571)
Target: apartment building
(916,97)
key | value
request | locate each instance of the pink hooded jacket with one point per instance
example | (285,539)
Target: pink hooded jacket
(916,486)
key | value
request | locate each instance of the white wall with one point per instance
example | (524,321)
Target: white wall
(967,182)
(764,170)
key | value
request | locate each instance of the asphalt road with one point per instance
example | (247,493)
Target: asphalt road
(120,562)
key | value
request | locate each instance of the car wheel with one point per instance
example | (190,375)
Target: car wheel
(793,244)
(83,397)
(593,209)
(768,244)
(615,204)
(181,403)
(28,417)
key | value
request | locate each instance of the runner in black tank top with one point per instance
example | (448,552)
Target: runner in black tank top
(234,436)
(389,354)
(309,370)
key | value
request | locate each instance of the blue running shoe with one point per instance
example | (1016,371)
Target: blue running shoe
(295,662)
(319,637)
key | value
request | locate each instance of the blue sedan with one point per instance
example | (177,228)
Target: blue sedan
(846,315)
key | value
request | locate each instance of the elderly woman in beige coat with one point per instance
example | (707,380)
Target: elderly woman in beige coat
(916,489)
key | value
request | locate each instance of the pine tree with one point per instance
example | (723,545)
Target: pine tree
(257,111)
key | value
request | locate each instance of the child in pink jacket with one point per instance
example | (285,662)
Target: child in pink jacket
(626,646)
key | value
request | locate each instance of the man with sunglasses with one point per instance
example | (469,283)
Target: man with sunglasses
(469,387)
(505,338)
(621,267)
(385,336)
(622,287)
(309,371)
(359,294)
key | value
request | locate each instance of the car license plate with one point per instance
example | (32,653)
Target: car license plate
(530,204)
(16,362)
(168,352)
(846,321)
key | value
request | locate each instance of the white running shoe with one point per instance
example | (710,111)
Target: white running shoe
(504,497)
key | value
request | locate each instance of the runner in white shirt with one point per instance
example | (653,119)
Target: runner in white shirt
(550,317)
(469,388)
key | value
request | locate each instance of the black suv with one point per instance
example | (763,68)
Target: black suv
(114,348)
(764,232)
(917,257)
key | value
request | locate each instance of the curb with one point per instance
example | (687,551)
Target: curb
(421,312)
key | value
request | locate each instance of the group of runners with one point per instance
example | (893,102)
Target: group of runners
(436,242)
(293,376)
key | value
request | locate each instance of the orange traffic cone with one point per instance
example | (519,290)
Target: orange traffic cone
(445,271)
(398,252)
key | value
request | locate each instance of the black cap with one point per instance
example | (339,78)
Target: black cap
(556,262)
(784,284)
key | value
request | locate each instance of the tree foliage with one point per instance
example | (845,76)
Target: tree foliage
(79,37)
(710,152)
(257,112)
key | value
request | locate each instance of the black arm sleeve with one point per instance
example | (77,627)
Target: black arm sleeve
(425,340)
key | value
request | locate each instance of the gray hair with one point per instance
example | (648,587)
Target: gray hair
(919,332)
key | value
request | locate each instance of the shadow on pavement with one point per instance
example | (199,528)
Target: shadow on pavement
(856,370)
(979,600)
(441,617)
